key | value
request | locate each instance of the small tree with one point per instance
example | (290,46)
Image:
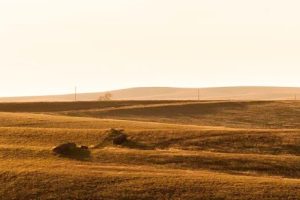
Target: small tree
(106,97)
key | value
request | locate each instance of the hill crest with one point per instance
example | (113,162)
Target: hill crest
(169,93)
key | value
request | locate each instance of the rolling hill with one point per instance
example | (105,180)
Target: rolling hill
(165,93)
(210,150)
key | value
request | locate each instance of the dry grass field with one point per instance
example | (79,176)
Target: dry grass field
(219,150)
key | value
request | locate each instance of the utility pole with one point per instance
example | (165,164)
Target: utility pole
(75,93)
(198,94)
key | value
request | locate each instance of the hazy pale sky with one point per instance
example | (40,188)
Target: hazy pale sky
(49,46)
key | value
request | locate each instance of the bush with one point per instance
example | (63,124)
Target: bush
(120,139)
(65,149)
(72,151)
(115,136)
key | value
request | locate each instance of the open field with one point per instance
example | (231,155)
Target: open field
(222,150)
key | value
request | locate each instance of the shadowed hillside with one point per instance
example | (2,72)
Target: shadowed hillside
(246,114)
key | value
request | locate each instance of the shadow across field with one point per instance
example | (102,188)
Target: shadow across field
(137,145)
(78,155)
(241,141)
(242,114)
(251,164)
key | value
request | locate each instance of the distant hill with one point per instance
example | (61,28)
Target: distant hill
(165,93)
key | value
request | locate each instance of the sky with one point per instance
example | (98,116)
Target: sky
(51,46)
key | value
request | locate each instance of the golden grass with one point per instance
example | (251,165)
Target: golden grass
(208,158)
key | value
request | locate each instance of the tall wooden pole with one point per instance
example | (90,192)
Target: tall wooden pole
(75,94)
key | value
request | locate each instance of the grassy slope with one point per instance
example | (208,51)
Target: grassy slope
(245,114)
(164,160)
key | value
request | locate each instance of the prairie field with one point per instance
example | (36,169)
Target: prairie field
(210,150)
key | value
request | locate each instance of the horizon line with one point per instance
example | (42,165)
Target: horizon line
(128,88)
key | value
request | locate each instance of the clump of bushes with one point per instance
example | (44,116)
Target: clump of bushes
(65,149)
(113,137)
(116,136)
(72,150)
(120,139)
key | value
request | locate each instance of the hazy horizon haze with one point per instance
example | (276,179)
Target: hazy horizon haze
(49,47)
